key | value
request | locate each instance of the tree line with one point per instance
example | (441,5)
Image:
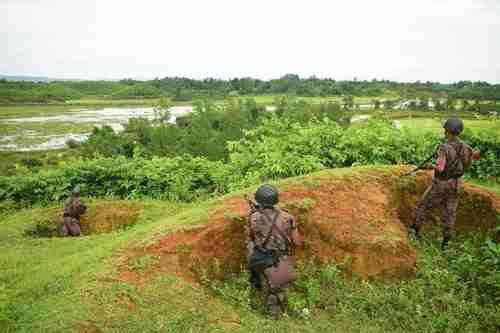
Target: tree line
(186,89)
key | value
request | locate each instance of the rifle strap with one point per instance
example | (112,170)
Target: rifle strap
(273,227)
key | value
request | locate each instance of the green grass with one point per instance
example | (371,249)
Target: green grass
(436,124)
(33,110)
(58,285)
(39,277)
(45,128)
(114,102)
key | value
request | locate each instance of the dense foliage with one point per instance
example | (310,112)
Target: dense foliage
(203,133)
(184,89)
(277,148)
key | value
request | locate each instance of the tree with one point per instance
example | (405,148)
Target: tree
(389,104)
(348,102)
(465,105)
(450,103)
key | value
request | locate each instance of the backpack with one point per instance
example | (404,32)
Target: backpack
(455,168)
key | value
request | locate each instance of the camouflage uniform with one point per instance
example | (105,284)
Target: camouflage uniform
(257,238)
(445,186)
(71,218)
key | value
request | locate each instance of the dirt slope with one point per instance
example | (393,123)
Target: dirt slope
(357,219)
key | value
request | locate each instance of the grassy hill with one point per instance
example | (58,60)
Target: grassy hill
(177,268)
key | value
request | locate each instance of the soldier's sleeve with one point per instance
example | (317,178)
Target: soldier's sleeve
(467,155)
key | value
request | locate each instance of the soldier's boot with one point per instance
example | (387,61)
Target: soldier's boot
(283,300)
(254,299)
(444,244)
(255,280)
(446,238)
(63,230)
(273,306)
(415,231)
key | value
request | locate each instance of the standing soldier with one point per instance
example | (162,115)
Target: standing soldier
(453,158)
(272,234)
(71,218)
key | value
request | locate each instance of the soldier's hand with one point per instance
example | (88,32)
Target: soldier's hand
(476,154)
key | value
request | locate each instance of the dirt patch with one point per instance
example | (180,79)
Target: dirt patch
(359,222)
(478,209)
(101,217)
(108,216)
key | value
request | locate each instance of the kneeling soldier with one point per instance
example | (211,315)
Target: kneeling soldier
(72,211)
(272,234)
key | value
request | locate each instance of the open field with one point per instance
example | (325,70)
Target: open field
(436,124)
(95,102)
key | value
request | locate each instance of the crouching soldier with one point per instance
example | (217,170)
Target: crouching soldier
(453,158)
(71,218)
(272,234)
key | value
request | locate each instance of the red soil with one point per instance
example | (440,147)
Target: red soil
(359,222)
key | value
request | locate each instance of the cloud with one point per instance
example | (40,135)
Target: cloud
(401,39)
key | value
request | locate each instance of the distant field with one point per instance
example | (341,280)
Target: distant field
(32,110)
(269,99)
(114,102)
(436,124)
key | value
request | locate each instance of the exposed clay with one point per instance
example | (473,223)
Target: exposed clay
(355,222)
(100,217)
(478,209)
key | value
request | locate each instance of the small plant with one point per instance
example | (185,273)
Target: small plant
(142,263)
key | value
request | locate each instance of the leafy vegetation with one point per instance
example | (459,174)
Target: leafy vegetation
(184,89)
(277,148)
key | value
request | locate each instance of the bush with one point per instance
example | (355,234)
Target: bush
(182,178)
(479,268)
(278,148)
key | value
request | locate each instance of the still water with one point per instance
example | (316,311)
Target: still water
(116,118)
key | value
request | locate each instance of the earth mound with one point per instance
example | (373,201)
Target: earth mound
(357,220)
(100,217)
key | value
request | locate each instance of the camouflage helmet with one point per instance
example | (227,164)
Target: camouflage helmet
(454,126)
(76,191)
(266,195)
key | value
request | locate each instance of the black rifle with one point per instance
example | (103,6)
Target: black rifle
(420,166)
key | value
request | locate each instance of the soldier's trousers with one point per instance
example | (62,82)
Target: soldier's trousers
(70,227)
(441,193)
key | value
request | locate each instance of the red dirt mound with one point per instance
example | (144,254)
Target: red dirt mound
(358,222)
(478,208)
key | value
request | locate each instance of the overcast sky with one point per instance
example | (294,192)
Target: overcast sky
(404,40)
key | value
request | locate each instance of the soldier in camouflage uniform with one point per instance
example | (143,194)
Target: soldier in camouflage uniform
(271,236)
(71,218)
(453,158)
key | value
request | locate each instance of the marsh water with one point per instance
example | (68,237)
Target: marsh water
(26,138)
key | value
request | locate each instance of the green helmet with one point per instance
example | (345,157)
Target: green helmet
(454,126)
(266,195)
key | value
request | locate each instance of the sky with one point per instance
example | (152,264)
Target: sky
(402,40)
